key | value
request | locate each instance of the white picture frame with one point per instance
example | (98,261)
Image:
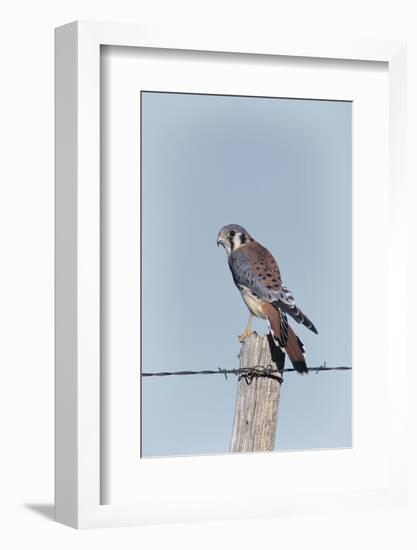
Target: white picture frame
(78,410)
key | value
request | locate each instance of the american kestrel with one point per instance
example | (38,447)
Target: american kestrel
(256,274)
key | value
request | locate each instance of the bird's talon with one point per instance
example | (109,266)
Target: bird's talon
(245,335)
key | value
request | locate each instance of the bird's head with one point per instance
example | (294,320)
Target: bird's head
(232,237)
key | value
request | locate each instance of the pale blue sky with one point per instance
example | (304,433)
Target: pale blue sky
(282,169)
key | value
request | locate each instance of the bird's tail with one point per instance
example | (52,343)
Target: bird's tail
(295,351)
(284,337)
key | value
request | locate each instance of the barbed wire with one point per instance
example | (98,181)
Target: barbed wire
(247,373)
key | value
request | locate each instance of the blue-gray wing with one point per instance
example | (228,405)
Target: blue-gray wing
(254,268)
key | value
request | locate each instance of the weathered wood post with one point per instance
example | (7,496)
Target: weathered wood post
(256,410)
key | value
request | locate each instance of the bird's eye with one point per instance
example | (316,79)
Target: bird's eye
(232,233)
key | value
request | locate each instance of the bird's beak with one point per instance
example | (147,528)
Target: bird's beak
(219,241)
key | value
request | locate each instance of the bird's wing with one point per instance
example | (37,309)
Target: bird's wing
(285,301)
(254,267)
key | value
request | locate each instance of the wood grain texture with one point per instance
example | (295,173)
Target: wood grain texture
(256,410)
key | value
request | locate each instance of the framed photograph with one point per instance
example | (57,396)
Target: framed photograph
(200,181)
(271,163)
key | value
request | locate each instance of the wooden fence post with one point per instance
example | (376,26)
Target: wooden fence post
(256,410)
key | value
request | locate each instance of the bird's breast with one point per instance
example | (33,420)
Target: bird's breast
(253,303)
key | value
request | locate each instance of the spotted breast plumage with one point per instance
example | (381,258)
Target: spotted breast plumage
(257,276)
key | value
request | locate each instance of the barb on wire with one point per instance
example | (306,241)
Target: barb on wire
(248,374)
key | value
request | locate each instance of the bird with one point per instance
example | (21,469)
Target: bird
(257,276)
